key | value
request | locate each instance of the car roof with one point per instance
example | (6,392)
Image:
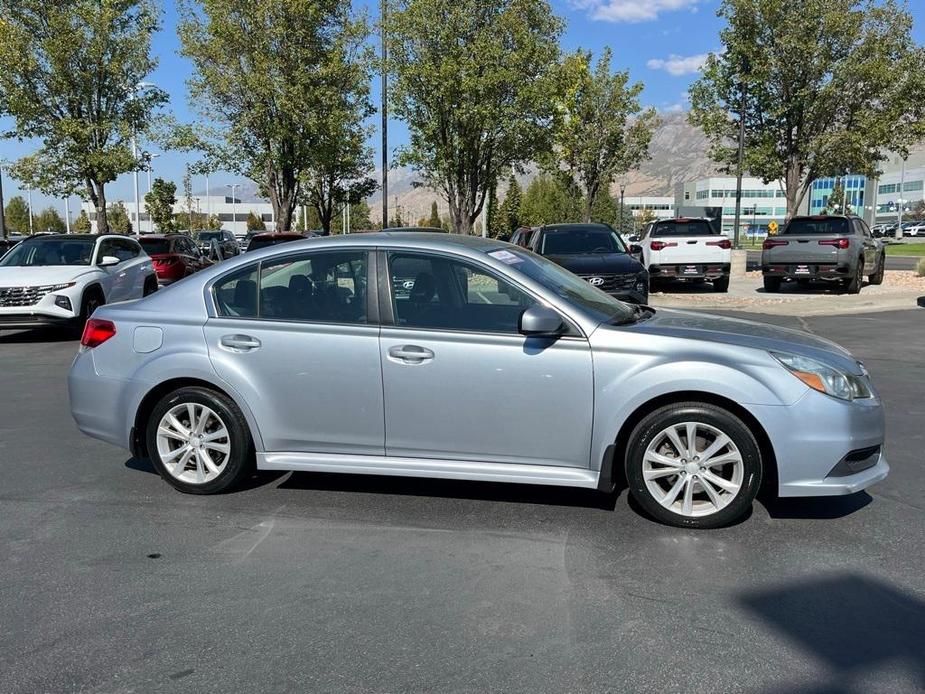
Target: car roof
(572,225)
(419,230)
(272,234)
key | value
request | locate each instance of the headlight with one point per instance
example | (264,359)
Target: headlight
(825,379)
(55,287)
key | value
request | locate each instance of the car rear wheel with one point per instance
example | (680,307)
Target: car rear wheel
(199,442)
(877,277)
(693,465)
(853,286)
(721,284)
(772,284)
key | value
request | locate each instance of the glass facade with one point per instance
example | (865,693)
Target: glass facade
(852,184)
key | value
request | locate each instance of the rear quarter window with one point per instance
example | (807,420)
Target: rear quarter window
(673,227)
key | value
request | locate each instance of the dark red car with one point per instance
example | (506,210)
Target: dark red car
(175,256)
(271,238)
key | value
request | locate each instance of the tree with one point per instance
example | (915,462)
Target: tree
(359,217)
(159,202)
(68,80)
(836,198)
(604,131)
(918,210)
(644,218)
(82,224)
(477,83)
(434,220)
(17,215)
(492,213)
(119,222)
(270,72)
(49,220)
(255,223)
(828,85)
(510,209)
(546,201)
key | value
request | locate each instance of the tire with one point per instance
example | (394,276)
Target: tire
(91,300)
(772,284)
(150,285)
(696,496)
(877,277)
(853,286)
(228,468)
(721,284)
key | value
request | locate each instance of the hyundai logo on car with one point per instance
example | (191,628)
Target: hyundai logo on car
(596,281)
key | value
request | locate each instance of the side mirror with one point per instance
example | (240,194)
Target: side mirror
(635,250)
(540,321)
(634,238)
(109,261)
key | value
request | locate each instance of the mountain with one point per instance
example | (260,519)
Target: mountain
(678,153)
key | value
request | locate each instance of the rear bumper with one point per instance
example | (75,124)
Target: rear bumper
(689,271)
(809,270)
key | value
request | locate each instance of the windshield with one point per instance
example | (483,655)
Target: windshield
(809,225)
(683,227)
(576,291)
(155,246)
(580,239)
(45,252)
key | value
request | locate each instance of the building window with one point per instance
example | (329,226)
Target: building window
(911,186)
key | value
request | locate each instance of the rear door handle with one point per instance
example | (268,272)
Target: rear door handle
(240,343)
(411,354)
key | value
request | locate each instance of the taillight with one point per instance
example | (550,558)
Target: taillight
(770,243)
(838,243)
(724,243)
(659,245)
(96,332)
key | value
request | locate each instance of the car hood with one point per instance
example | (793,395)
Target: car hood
(37,276)
(594,263)
(745,333)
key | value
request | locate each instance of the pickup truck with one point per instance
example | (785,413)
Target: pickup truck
(834,248)
(684,249)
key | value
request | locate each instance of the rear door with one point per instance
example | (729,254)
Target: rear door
(297,337)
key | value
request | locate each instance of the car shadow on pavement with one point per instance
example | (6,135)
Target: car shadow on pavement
(680,287)
(452,489)
(36,335)
(259,478)
(856,625)
(808,287)
(818,507)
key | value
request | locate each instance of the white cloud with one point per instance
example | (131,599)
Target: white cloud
(678,65)
(673,108)
(632,10)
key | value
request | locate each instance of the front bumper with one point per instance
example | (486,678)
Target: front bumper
(813,437)
(25,321)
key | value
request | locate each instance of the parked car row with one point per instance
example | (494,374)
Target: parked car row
(911,227)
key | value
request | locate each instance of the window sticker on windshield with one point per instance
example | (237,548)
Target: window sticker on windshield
(505,257)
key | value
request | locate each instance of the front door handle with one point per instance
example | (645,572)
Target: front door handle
(240,343)
(411,354)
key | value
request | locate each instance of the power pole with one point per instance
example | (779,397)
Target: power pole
(385,115)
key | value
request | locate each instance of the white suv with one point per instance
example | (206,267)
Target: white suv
(61,279)
(684,249)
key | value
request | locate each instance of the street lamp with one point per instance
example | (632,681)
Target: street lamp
(151,158)
(134,91)
(234,205)
(2,221)
(622,191)
(899,204)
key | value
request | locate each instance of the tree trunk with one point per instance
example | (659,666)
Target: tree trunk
(98,197)
(794,189)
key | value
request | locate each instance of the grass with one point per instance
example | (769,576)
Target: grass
(906,249)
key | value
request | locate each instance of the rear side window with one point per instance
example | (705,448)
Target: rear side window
(676,227)
(817,225)
(320,288)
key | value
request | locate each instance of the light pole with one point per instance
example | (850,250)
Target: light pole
(385,115)
(67,214)
(31,230)
(234,205)
(898,234)
(622,191)
(2,220)
(138,87)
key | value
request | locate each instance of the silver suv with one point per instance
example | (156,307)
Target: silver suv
(823,247)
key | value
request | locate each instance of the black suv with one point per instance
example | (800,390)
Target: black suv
(596,253)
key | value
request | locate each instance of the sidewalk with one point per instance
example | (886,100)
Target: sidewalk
(900,290)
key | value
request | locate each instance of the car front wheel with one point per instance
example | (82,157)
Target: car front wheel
(693,465)
(199,442)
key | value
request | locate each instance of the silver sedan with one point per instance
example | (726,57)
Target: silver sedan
(436,355)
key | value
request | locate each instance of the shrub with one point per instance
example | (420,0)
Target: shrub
(920,268)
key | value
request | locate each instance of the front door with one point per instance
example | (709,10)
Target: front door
(462,383)
(294,338)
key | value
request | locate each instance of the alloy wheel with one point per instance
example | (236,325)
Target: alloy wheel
(693,469)
(193,443)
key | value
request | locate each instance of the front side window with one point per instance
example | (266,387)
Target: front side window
(107,249)
(447,294)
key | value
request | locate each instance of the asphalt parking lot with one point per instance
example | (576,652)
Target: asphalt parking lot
(111,581)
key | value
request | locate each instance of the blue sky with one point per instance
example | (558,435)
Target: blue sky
(661,43)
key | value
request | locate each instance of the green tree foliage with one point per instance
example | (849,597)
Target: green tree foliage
(829,86)
(604,131)
(509,214)
(68,77)
(49,220)
(547,201)
(82,224)
(17,215)
(281,79)
(492,217)
(836,198)
(255,222)
(159,202)
(314,223)
(434,220)
(477,82)
(119,222)
(359,217)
